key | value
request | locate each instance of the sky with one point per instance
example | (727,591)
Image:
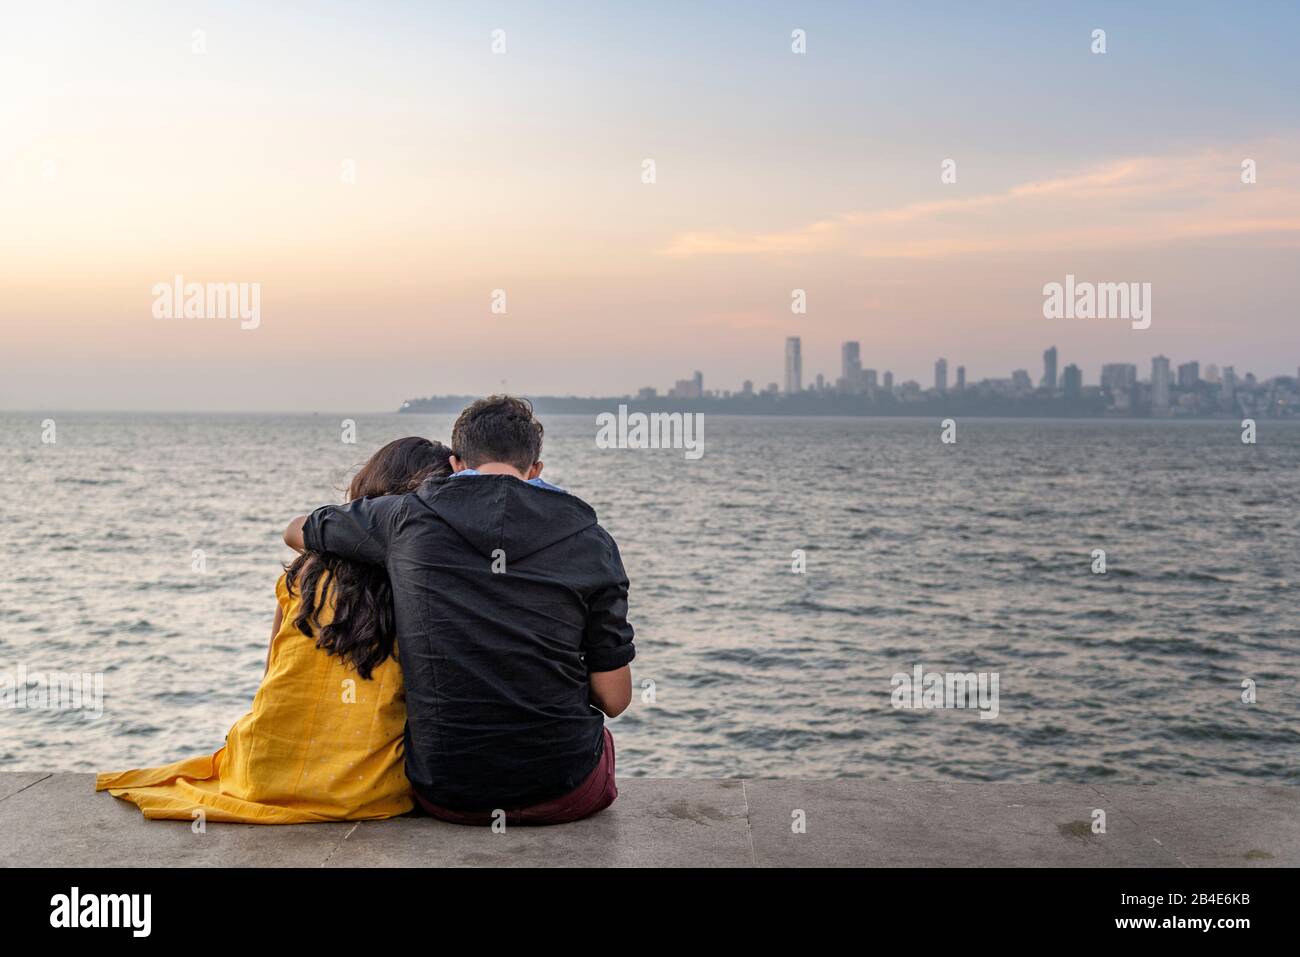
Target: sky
(386,178)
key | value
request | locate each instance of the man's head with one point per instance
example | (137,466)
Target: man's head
(498,434)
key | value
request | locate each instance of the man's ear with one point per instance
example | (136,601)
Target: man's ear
(456,464)
(535,471)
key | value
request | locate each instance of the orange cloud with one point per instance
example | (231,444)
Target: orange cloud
(1138,201)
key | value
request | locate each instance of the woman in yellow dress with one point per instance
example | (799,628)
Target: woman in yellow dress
(324,739)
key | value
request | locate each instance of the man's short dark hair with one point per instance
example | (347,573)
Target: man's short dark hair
(500,428)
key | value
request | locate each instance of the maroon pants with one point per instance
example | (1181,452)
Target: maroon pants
(594,794)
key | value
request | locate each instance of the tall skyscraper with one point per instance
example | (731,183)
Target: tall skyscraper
(889,381)
(793,366)
(1160,384)
(1049,368)
(1072,382)
(941,375)
(1189,374)
(851,367)
(961,378)
(869,381)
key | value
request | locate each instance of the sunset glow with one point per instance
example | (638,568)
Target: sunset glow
(380,171)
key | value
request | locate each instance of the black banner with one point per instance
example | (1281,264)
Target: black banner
(336,906)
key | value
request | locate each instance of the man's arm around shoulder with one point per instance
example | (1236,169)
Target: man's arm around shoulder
(293,534)
(361,530)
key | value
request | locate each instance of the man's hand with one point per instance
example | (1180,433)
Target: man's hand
(293,534)
(611,691)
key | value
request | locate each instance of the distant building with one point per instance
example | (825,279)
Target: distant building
(1160,384)
(1049,368)
(941,375)
(1212,374)
(850,367)
(869,381)
(1118,377)
(747,388)
(1072,383)
(1019,382)
(1003,386)
(648,393)
(888,381)
(1189,375)
(961,378)
(1228,389)
(821,382)
(692,388)
(793,366)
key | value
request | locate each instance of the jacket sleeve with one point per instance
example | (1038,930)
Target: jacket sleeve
(607,638)
(359,531)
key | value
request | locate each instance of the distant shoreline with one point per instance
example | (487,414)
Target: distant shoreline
(813,406)
(543,408)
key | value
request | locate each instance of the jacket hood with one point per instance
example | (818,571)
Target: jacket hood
(500,511)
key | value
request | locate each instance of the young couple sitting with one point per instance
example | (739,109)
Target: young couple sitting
(450,636)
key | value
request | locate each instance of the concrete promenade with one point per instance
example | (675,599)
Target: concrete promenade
(59,820)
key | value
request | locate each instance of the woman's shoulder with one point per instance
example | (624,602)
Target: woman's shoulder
(287,589)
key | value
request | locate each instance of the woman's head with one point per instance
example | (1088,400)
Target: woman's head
(363,626)
(401,466)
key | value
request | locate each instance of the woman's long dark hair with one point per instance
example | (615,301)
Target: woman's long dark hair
(363,627)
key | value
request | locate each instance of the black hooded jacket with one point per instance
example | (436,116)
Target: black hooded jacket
(507,595)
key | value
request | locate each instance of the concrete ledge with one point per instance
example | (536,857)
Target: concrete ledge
(58,820)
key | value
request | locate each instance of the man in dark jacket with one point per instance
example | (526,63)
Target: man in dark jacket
(511,608)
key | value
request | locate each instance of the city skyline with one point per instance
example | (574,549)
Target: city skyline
(1120,391)
(851,370)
